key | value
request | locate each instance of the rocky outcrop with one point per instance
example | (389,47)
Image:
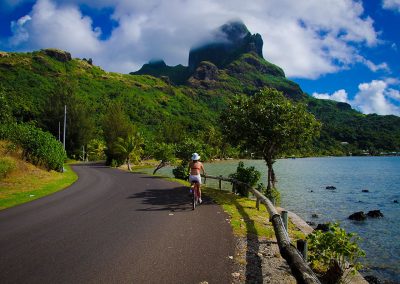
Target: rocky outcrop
(206,72)
(375,214)
(230,41)
(4,54)
(358,216)
(60,55)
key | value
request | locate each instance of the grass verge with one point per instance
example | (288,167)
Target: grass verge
(28,182)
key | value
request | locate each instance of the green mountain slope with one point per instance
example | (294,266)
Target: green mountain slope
(169,102)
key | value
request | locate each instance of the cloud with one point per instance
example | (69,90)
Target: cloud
(63,27)
(20,33)
(391,5)
(340,96)
(306,38)
(373,97)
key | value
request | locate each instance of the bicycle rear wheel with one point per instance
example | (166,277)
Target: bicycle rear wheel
(194,201)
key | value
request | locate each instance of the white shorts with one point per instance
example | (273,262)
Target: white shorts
(195,178)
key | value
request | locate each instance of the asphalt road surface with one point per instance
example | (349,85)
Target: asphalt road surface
(113,226)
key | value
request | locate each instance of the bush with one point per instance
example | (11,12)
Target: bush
(39,147)
(273,195)
(248,175)
(7,165)
(181,172)
(334,248)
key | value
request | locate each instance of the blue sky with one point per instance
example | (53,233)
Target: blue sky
(345,50)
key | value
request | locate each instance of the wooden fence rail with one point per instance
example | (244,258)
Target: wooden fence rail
(300,269)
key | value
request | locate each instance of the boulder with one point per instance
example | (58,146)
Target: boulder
(372,279)
(330,187)
(358,216)
(365,190)
(314,215)
(395,201)
(60,55)
(375,214)
(323,227)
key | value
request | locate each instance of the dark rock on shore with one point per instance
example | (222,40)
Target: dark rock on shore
(358,216)
(330,187)
(375,214)
(372,279)
(312,224)
(323,227)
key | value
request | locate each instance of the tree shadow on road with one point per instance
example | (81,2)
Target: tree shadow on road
(170,199)
(253,260)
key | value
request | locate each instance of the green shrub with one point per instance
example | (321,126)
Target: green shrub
(334,248)
(274,195)
(181,171)
(39,147)
(248,175)
(6,166)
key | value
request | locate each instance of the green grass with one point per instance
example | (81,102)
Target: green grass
(22,187)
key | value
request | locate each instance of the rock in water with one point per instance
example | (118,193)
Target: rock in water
(372,279)
(365,190)
(358,216)
(330,187)
(375,214)
(322,227)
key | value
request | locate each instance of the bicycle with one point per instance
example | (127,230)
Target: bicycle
(195,195)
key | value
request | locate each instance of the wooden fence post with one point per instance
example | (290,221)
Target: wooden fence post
(258,204)
(220,182)
(302,248)
(284,215)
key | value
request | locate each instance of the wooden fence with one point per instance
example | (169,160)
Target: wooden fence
(300,269)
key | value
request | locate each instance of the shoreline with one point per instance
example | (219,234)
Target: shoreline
(307,229)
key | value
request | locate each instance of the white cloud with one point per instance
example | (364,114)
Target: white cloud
(20,33)
(306,38)
(63,27)
(340,96)
(391,5)
(373,97)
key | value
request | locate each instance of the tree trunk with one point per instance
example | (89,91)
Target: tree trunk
(270,174)
(128,161)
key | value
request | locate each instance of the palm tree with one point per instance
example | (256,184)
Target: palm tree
(130,148)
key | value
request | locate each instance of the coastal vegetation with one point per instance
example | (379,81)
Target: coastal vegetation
(269,125)
(21,181)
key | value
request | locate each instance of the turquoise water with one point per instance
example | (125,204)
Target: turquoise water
(302,185)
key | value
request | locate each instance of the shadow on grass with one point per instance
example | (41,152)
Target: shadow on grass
(253,260)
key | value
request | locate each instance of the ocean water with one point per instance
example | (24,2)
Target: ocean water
(302,183)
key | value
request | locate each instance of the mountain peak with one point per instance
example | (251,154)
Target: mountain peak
(231,40)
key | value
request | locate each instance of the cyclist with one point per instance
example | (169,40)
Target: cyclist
(195,167)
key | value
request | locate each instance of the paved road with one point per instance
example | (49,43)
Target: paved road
(115,227)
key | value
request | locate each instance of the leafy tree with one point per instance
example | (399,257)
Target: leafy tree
(96,149)
(130,147)
(80,122)
(268,124)
(116,124)
(165,153)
